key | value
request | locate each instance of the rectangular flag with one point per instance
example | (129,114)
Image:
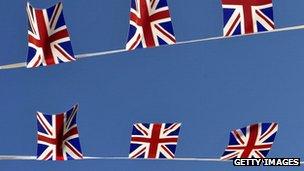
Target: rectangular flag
(58,137)
(253,141)
(247,16)
(154,140)
(48,38)
(150,24)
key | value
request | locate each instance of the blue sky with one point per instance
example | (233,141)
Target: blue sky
(211,87)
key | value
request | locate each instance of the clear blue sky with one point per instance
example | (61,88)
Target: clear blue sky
(210,87)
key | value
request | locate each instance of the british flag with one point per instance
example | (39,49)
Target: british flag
(247,16)
(253,141)
(48,38)
(150,24)
(58,137)
(154,140)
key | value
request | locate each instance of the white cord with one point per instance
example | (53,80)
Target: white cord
(88,55)
(14,157)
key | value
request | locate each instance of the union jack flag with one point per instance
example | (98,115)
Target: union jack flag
(154,140)
(150,24)
(48,38)
(58,137)
(247,16)
(253,141)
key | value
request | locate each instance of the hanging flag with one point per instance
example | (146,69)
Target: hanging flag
(253,141)
(150,24)
(154,140)
(58,137)
(247,16)
(48,38)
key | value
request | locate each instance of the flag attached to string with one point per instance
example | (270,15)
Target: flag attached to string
(58,137)
(154,140)
(247,16)
(253,141)
(150,24)
(48,38)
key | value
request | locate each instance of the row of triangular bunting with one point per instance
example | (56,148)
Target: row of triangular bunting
(58,139)
(150,26)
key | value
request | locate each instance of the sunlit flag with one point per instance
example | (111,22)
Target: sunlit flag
(247,16)
(58,137)
(48,38)
(154,140)
(150,24)
(253,141)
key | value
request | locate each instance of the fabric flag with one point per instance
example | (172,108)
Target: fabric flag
(58,137)
(48,38)
(154,140)
(150,24)
(247,16)
(253,141)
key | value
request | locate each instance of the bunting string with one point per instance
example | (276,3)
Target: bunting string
(104,53)
(33,158)
(14,157)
